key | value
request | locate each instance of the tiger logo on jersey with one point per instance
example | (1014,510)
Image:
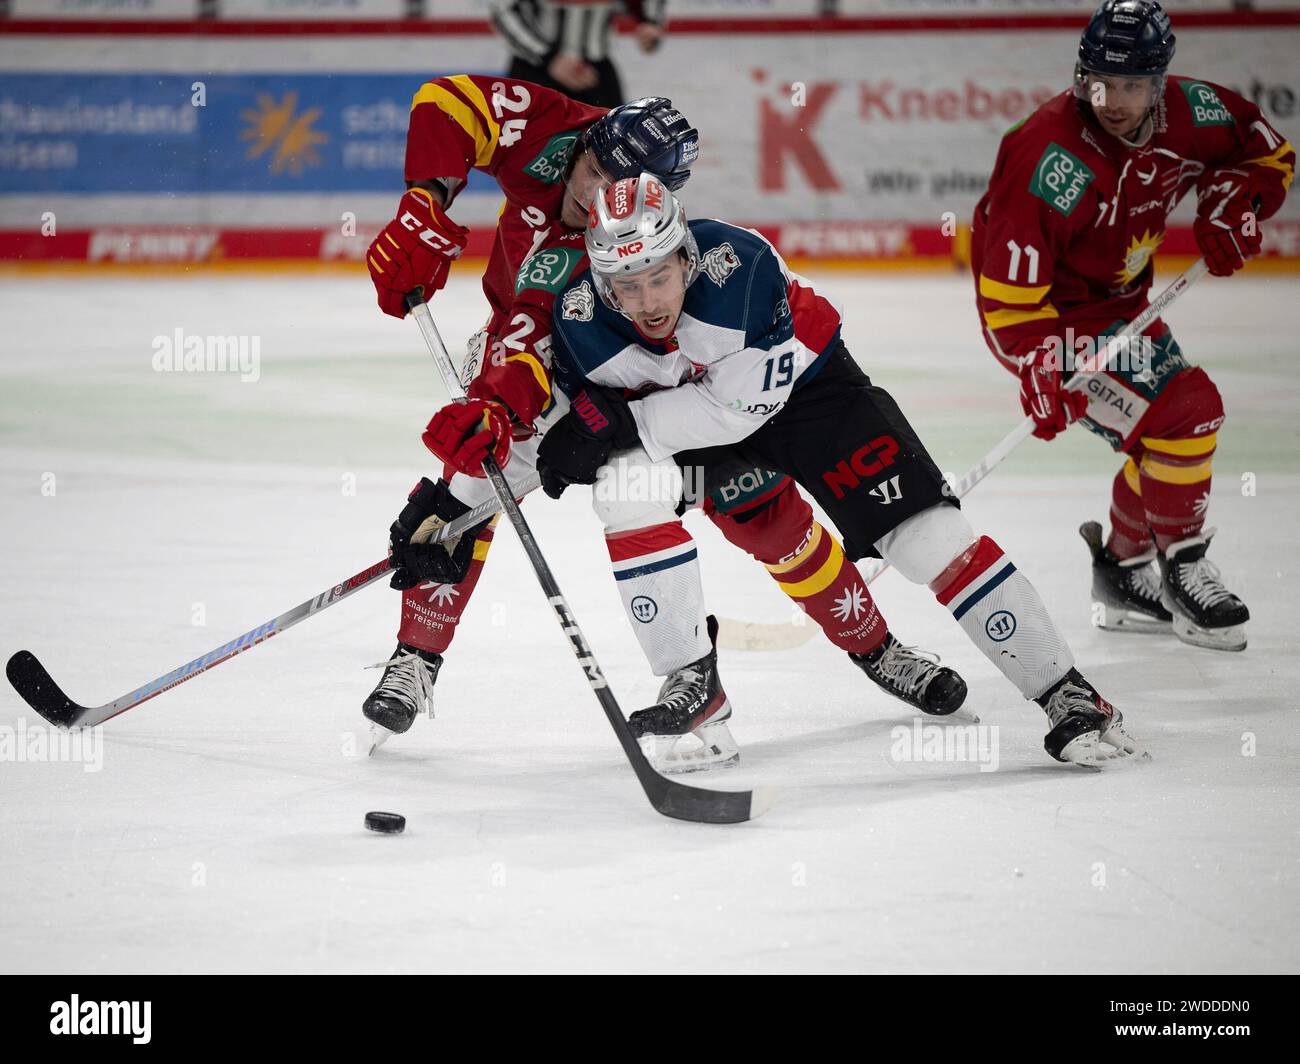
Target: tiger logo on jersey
(719,263)
(579,304)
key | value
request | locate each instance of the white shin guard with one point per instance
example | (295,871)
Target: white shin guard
(996,606)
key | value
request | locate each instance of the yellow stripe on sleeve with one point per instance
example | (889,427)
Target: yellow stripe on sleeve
(1012,293)
(1000,319)
(465,116)
(531,361)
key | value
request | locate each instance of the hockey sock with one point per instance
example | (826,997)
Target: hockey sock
(1176,486)
(809,565)
(431,612)
(1003,615)
(658,575)
(1129,533)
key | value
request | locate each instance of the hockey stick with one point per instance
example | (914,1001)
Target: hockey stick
(668,797)
(780,636)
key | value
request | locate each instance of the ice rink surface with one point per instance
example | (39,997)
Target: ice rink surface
(150,516)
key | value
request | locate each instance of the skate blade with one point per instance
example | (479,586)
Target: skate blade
(751,635)
(960,715)
(1097,749)
(1132,623)
(1232,638)
(708,747)
(378,736)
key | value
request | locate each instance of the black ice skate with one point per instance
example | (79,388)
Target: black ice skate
(686,730)
(1206,614)
(1086,729)
(913,676)
(405,688)
(1127,591)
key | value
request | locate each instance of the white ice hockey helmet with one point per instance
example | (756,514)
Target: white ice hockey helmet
(633,225)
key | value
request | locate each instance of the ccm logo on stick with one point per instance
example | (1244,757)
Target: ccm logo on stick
(866,462)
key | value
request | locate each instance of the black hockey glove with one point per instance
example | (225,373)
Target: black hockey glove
(414,559)
(573,450)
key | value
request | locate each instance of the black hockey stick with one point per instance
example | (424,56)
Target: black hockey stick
(667,796)
(37,688)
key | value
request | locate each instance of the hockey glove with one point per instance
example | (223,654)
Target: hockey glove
(575,447)
(464,434)
(414,250)
(1043,394)
(413,558)
(1226,227)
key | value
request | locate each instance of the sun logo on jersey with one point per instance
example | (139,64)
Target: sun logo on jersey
(1138,255)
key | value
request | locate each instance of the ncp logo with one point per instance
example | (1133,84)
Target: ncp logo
(865,462)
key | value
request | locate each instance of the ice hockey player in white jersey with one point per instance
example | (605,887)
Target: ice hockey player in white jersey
(691,346)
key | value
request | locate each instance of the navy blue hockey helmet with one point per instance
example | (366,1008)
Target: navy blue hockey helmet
(646,134)
(1130,38)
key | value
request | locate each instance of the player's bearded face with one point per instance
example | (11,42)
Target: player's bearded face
(653,299)
(1120,103)
(586,179)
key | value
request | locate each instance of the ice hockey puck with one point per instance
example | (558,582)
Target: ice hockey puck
(386,823)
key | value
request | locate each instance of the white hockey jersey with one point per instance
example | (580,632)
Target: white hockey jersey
(750,331)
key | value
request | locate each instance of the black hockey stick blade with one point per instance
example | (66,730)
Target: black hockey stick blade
(38,689)
(709,807)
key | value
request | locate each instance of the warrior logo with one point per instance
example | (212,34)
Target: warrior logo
(720,263)
(644,609)
(888,491)
(579,303)
(1001,626)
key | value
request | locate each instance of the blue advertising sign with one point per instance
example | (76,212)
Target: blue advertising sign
(219,133)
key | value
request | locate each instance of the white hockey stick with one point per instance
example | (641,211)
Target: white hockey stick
(779,637)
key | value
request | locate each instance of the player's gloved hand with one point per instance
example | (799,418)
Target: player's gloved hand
(464,434)
(575,447)
(1226,227)
(413,558)
(414,250)
(516,385)
(1043,394)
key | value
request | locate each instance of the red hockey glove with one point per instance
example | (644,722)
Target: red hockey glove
(1226,227)
(414,250)
(1043,394)
(515,384)
(464,434)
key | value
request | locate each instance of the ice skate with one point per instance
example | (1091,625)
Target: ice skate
(686,730)
(405,688)
(915,677)
(1086,729)
(1127,590)
(1205,613)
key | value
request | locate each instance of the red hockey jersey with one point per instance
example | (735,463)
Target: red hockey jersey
(1065,235)
(522,134)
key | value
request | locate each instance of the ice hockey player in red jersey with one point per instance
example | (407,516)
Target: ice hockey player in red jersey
(1062,250)
(550,155)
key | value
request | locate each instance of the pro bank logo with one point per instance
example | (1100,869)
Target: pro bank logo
(1060,179)
(121,1018)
